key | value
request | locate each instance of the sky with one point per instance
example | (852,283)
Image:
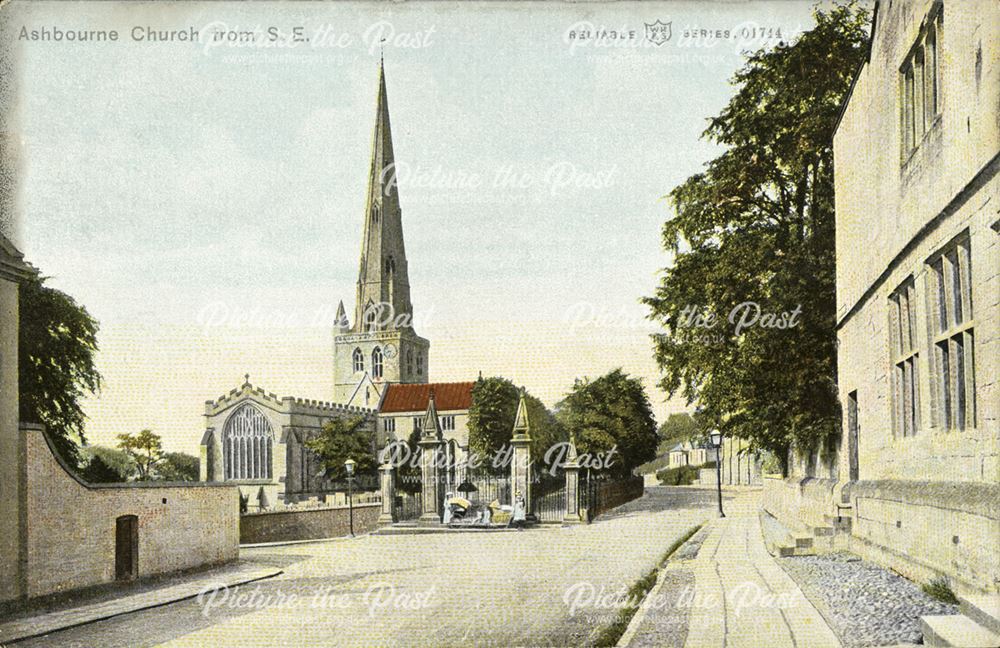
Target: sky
(204,200)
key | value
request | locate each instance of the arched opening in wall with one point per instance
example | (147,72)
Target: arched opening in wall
(248,444)
(359,361)
(377,362)
(126,547)
(390,273)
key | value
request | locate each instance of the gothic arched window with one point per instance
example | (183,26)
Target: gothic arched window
(247,444)
(409,361)
(377,363)
(375,213)
(370,313)
(359,360)
(420,364)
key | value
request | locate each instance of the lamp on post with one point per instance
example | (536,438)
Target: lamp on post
(716,438)
(349,466)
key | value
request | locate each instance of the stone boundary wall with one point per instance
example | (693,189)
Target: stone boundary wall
(799,503)
(69,537)
(927,529)
(307,524)
(921,529)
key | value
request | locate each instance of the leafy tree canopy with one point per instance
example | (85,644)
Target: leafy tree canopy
(342,439)
(757,226)
(678,428)
(491,420)
(178,466)
(120,462)
(611,411)
(57,346)
(145,449)
(98,472)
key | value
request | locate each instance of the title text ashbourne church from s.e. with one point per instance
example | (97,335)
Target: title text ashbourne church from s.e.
(138,34)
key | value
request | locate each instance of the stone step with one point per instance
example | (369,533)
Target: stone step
(984,609)
(783,542)
(838,522)
(821,531)
(956,631)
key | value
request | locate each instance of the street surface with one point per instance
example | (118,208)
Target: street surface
(543,586)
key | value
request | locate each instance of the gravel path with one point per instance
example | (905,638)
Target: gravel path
(865,605)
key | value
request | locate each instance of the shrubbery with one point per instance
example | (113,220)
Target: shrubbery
(681,475)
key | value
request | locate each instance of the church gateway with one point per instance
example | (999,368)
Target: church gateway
(381,366)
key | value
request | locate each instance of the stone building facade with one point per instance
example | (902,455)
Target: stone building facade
(917,154)
(380,347)
(256,441)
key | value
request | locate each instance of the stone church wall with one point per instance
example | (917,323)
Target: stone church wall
(70,539)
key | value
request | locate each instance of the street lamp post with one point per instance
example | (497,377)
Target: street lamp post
(349,466)
(716,437)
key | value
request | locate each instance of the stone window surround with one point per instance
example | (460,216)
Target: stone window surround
(359,360)
(247,445)
(951,337)
(377,362)
(920,113)
(904,354)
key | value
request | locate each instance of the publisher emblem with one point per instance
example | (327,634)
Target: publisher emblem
(658,33)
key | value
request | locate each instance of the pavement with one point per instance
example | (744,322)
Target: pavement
(39,623)
(548,585)
(732,594)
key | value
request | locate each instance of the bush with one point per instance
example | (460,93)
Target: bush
(941,590)
(679,476)
(682,475)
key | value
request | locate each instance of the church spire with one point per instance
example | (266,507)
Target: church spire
(383,298)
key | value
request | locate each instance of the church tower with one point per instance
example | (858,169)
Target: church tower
(380,345)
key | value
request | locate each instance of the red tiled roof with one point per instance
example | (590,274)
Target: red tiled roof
(413,398)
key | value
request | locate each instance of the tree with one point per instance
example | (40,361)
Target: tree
(178,466)
(757,227)
(678,428)
(145,449)
(491,421)
(491,416)
(612,411)
(120,462)
(342,439)
(98,472)
(57,345)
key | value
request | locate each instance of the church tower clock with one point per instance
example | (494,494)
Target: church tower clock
(380,346)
